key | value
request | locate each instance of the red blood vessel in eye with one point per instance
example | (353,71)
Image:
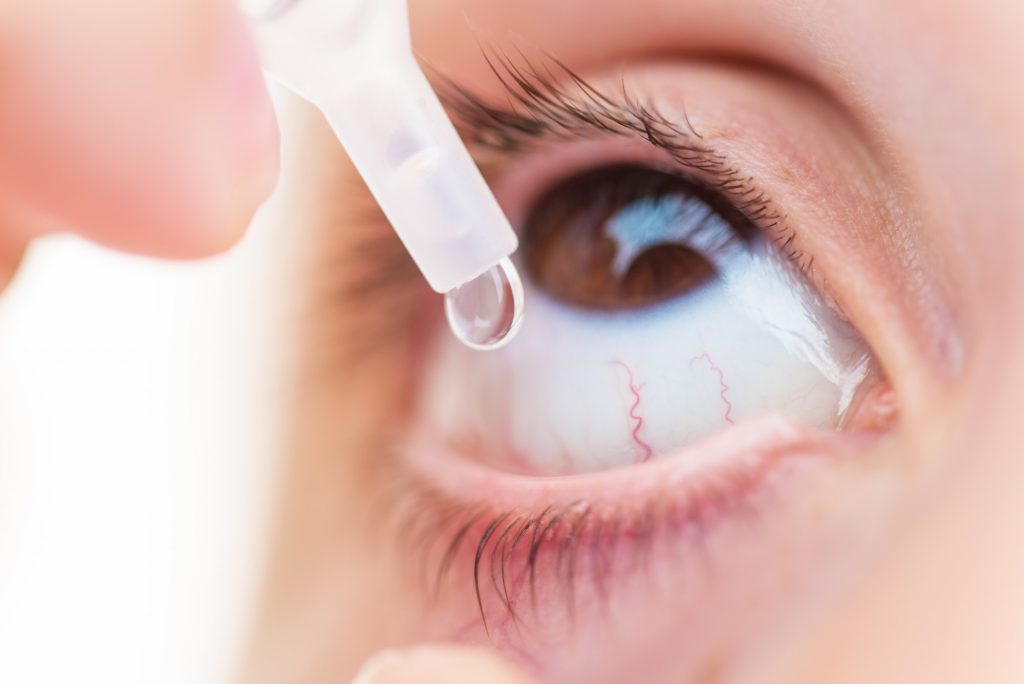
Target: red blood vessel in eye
(634,413)
(721,381)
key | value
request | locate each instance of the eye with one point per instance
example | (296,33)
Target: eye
(659,314)
(698,243)
(627,237)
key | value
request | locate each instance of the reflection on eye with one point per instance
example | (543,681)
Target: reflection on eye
(624,237)
(658,315)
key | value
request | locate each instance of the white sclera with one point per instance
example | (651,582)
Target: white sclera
(561,398)
(486,312)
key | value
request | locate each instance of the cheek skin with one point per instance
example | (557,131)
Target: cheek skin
(145,127)
(645,588)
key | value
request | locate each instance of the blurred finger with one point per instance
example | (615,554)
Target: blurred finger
(440,665)
(144,126)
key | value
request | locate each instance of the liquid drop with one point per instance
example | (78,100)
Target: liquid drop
(485,313)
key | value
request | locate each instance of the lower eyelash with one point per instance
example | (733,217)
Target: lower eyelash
(506,555)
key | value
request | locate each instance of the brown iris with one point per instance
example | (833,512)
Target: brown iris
(628,236)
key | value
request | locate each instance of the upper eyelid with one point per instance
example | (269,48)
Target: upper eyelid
(544,107)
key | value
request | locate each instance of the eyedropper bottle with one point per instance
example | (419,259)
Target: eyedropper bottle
(353,59)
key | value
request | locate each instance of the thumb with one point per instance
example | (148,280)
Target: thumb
(439,665)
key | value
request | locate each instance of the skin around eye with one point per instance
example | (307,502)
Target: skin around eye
(669,580)
(631,433)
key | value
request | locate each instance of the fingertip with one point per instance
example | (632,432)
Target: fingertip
(12,252)
(145,129)
(221,218)
(447,664)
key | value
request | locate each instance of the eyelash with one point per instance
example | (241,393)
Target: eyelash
(568,547)
(512,547)
(543,108)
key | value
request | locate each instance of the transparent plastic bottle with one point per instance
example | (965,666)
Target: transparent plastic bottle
(353,59)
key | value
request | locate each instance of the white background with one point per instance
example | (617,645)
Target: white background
(137,424)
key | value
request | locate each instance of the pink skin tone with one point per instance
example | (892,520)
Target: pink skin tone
(697,484)
(143,126)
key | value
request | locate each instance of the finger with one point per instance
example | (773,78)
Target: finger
(141,125)
(440,665)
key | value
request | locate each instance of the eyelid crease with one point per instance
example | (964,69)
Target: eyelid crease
(552,103)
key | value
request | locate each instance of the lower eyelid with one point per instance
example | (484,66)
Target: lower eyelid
(500,538)
(762,438)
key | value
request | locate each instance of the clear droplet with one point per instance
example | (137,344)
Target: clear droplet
(485,313)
